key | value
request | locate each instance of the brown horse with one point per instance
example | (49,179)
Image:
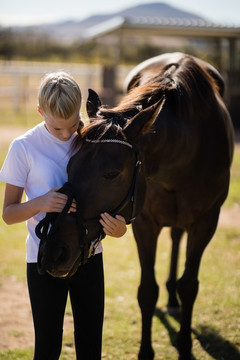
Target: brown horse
(163,154)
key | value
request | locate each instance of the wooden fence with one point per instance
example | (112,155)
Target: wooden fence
(19,81)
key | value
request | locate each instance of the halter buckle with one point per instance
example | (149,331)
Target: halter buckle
(93,246)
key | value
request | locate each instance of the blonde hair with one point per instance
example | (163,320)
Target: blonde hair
(59,94)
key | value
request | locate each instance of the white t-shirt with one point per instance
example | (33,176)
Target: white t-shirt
(36,161)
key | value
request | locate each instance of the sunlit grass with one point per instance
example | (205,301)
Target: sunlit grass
(234,191)
(17,355)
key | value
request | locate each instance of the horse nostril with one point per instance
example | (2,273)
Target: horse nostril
(41,261)
(41,271)
(41,267)
(61,255)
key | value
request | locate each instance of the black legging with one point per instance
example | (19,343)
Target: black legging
(48,296)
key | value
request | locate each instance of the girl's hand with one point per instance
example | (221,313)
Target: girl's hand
(54,201)
(115,227)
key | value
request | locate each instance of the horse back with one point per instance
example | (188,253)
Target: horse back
(189,152)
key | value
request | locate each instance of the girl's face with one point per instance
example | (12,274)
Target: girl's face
(62,128)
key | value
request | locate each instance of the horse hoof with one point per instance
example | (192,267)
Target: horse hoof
(146,355)
(185,357)
(183,353)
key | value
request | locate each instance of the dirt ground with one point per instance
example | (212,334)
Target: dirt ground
(16,328)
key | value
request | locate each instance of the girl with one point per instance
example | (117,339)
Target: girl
(36,163)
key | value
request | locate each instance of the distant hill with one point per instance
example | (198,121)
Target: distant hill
(69,31)
(157,10)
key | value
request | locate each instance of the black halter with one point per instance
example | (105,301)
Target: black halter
(47,228)
(131,195)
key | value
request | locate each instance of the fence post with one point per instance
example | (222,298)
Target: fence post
(109,91)
(16,92)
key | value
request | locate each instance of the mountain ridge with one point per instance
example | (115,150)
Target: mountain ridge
(74,30)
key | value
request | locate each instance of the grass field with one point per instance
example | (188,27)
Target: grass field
(216,320)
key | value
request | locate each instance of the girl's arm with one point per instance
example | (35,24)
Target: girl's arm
(15,211)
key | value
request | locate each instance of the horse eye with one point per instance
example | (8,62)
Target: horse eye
(111,175)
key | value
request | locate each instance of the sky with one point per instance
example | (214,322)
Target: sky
(28,12)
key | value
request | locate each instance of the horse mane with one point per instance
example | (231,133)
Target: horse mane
(186,84)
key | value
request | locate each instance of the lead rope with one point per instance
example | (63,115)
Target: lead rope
(47,228)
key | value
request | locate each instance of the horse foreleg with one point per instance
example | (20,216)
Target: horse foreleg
(146,234)
(187,286)
(173,306)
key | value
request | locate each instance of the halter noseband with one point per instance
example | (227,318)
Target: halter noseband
(46,232)
(116,141)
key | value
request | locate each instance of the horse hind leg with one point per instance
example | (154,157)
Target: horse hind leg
(173,306)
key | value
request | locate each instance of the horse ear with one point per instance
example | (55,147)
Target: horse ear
(141,123)
(93,103)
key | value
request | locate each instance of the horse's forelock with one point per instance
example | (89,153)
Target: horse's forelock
(105,125)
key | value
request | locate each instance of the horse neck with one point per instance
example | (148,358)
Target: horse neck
(171,146)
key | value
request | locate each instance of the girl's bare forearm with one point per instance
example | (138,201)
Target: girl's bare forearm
(19,212)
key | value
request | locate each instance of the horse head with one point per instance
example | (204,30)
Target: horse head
(106,172)
(104,175)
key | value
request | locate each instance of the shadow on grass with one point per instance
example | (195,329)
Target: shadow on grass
(215,345)
(163,317)
(212,343)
